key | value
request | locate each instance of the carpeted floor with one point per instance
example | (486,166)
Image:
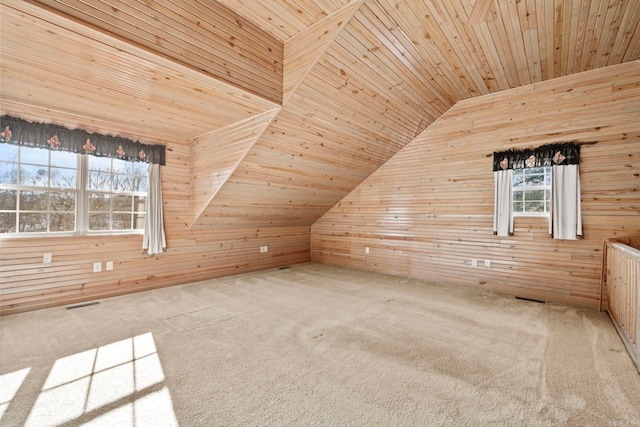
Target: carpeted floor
(315,345)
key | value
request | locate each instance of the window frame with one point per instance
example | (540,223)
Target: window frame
(546,188)
(81,191)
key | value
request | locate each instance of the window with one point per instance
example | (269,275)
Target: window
(117,190)
(532,191)
(57,192)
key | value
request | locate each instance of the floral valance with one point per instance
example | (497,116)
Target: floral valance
(53,137)
(567,153)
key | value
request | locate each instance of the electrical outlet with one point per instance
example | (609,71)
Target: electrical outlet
(97,267)
(366,249)
(109,265)
(266,249)
(47,258)
(487,263)
(474,262)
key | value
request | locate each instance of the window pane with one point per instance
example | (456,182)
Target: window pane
(517,207)
(140,168)
(34,175)
(63,178)
(517,196)
(534,180)
(139,204)
(36,156)
(534,207)
(533,171)
(99,181)
(99,221)
(8,172)
(62,222)
(547,206)
(547,178)
(8,200)
(530,195)
(121,203)
(7,222)
(99,202)
(64,159)
(518,178)
(99,163)
(9,152)
(122,166)
(33,200)
(121,182)
(140,183)
(62,202)
(33,222)
(138,221)
(547,194)
(121,221)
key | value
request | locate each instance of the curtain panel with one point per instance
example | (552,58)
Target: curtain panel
(566,218)
(503,203)
(53,137)
(154,241)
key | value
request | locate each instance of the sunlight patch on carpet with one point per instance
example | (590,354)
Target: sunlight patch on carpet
(114,382)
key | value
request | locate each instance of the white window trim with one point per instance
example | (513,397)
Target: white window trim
(81,212)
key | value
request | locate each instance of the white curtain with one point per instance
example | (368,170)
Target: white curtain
(154,239)
(566,218)
(503,206)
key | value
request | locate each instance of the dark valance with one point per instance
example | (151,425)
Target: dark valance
(567,153)
(53,137)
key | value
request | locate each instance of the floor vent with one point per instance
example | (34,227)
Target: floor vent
(530,299)
(81,304)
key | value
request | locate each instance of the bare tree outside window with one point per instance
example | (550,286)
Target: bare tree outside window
(39,192)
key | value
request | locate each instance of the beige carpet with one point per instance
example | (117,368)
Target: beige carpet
(315,345)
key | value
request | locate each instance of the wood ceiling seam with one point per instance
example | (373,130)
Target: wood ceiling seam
(478,44)
(269,116)
(462,45)
(349,11)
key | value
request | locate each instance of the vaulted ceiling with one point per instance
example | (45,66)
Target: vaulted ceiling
(288,105)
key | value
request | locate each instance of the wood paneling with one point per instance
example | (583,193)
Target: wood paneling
(362,79)
(285,19)
(215,156)
(428,211)
(66,67)
(191,254)
(621,290)
(205,36)
(303,50)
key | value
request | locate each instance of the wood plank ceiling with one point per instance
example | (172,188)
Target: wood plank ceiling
(289,104)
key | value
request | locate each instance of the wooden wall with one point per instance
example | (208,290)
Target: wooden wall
(192,255)
(428,211)
(206,36)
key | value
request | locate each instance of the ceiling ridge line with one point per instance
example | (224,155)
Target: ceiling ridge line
(352,8)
